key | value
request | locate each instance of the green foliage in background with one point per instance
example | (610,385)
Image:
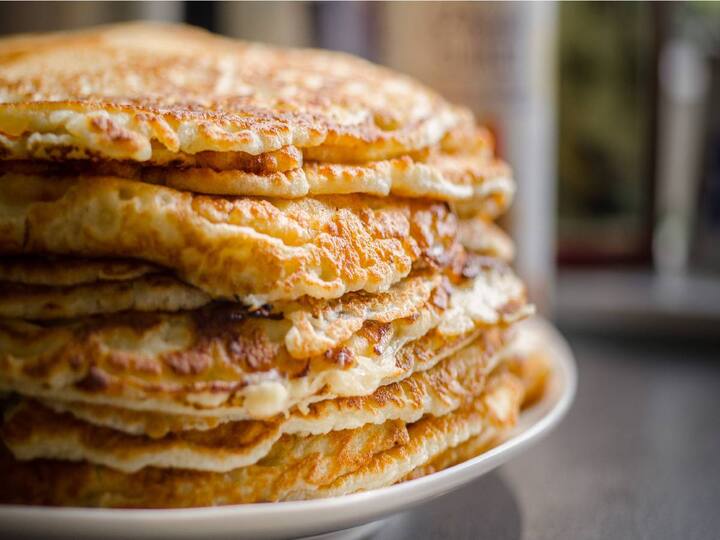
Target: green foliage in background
(606,77)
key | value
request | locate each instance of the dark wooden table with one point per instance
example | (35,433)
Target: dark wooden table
(638,456)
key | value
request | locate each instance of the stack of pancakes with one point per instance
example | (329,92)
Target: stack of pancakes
(232,273)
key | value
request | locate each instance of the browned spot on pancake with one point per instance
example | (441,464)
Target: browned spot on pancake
(188,363)
(341,356)
(376,332)
(96,380)
(110,129)
(255,350)
(128,361)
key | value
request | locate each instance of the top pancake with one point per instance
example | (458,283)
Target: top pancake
(147,92)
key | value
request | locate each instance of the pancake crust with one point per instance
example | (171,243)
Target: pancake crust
(245,249)
(337,463)
(121,92)
(479,235)
(32,430)
(471,448)
(495,409)
(474,176)
(68,271)
(156,292)
(295,464)
(50,287)
(316,324)
(229,361)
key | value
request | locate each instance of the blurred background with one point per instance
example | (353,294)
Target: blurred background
(603,109)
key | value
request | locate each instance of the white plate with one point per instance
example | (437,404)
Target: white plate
(351,516)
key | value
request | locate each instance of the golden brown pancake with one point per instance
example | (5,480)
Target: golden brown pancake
(294,465)
(155,292)
(336,463)
(224,360)
(316,322)
(68,271)
(474,176)
(253,250)
(235,273)
(138,90)
(32,430)
(471,448)
(480,235)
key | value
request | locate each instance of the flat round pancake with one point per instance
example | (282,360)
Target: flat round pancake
(51,287)
(121,92)
(68,271)
(496,409)
(471,175)
(333,464)
(228,361)
(253,250)
(316,323)
(33,430)
(429,390)
(155,292)
(480,235)
(293,465)
(474,446)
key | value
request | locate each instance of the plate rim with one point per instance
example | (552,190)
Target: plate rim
(297,516)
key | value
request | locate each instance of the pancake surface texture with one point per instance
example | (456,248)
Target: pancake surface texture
(338,463)
(474,176)
(236,273)
(246,249)
(227,361)
(138,92)
(34,431)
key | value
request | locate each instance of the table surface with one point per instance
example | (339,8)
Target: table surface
(638,456)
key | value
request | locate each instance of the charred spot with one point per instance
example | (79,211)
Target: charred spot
(213,318)
(266,312)
(96,380)
(75,362)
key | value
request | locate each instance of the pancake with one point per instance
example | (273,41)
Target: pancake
(50,287)
(471,448)
(479,235)
(155,292)
(136,91)
(32,430)
(223,360)
(528,357)
(294,465)
(495,409)
(473,176)
(336,463)
(68,271)
(253,250)
(429,391)
(315,322)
